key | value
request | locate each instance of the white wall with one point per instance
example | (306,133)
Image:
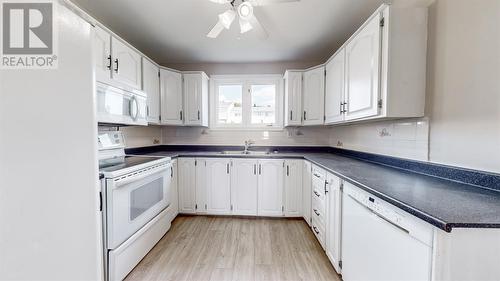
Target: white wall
(49,209)
(463,90)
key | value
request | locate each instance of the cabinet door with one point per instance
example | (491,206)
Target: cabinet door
(193,98)
(101,45)
(244,187)
(201,185)
(151,86)
(174,195)
(293,99)
(126,64)
(171,97)
(333,217)
(218,182)
(293,188)
(314,96)
(334,88)
(362,72)
(306,191)
(270,190)
(186,185)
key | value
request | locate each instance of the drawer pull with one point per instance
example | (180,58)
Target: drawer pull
(316,212)
(315,230)
(317,194)
(316,175)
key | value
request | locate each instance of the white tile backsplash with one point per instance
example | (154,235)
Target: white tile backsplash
(314,136)
(407,138)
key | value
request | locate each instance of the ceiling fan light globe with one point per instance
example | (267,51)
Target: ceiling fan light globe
(245,10)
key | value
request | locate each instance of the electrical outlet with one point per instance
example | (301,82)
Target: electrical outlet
(156,141)
(340,144)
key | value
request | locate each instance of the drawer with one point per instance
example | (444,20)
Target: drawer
(319,194)
(319,212)
(319,231)
(318,173)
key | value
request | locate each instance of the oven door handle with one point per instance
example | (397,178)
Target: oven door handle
(124,180)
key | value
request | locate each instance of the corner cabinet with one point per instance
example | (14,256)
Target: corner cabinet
(151,86)
(313,96)
(292,191)
(171,97)
(293,98)
(195,99)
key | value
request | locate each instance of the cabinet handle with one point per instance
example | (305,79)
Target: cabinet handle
(287,171)
(254,169)
(305,115)
(171,172)
(317,194)
(344,107)
(147,110)
(341,107)
(291,115)
(227,168)
(180,113)
(116,62)
(109,62)
(260,169)
(198,115)
(316,175)
(315,230)
(326,186)
(316,212)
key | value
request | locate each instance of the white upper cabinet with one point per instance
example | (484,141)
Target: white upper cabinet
(293,98)
(333,220)
(313,96)
(102,54)
(151,86)
(244,187)
(334,88)
(362,71)
(126,67)
(196,99)
(218,182)
(270,192)
(186,185)
(293,188)
(171,97)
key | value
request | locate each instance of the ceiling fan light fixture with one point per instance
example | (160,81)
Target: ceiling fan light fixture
(245,10)
(227,18)
(245,26)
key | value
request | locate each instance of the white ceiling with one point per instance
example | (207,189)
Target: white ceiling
(173,31)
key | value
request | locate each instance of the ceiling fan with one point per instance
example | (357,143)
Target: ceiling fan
(244,11)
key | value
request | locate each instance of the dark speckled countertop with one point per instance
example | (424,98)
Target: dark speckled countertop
(443,203)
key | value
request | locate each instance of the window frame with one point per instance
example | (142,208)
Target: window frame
(246,81)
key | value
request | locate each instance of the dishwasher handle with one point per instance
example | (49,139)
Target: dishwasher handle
(380,216)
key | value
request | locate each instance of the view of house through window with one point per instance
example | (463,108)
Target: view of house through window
(263,104)
(229,105)
(246,102)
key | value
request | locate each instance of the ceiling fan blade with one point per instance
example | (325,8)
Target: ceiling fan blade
(220,1)
(261,31)
(216,30)
(269,2)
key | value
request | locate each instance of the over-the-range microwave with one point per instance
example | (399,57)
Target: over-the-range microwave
(120,107)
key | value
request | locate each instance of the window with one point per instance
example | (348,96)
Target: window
(246,102)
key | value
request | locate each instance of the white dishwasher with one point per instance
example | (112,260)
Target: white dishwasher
(382,242)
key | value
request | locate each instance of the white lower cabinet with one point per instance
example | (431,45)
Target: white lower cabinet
(306,191)
(218,186)
(270,190)
(174,193)
(293,188)
(333,219)
(244,182)
(201,185)
(186,185)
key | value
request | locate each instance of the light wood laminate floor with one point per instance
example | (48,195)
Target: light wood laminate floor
(226,248)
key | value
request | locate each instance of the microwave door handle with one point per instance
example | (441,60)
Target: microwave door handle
(133,105)
(121,182)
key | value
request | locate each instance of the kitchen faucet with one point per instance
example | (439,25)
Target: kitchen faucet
(248,143)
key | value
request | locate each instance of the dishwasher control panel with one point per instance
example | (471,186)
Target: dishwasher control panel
(392,214)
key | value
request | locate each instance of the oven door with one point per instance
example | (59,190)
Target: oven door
(134,199)
(117,106)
